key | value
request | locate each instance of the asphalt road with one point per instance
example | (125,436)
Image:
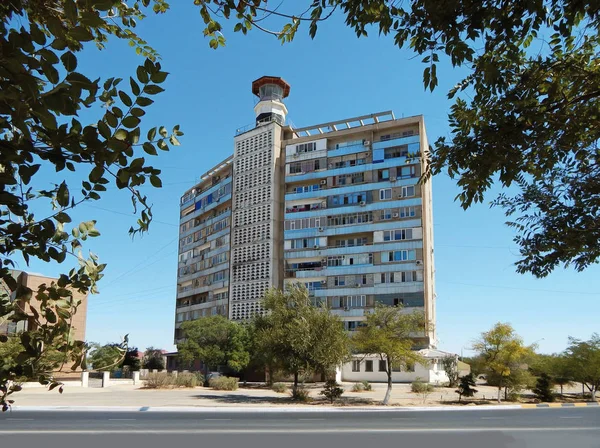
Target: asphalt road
(515,428)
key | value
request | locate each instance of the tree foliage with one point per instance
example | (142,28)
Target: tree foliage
(153,359)
(389,333)
(450,365)
(543,388)
(215,341)
(42,94)
(297,337)
(503,353)
(465,387)
(106,357)
(582,360)
(526,114)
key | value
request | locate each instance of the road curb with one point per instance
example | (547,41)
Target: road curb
(249,409)
(558,405)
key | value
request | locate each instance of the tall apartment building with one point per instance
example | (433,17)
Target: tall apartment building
(335,206)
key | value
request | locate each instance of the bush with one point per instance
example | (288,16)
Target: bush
(300,394)
(367,386)
(358,387)
(223,383)
(465,388)
(332,391)
(186,380)
(421,388)
(280,388)
(159,380)
(543,388)
(164,380)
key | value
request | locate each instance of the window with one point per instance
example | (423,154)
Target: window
(407,171)
(408,191)
(397,367)
(361,279)
(368,366)
(396,151)
(382,365)
(410,367)
(398,255)
(339,280)
(356,366)
(387,277)
(383,175)
(406,212)
(386,193)
(397,235)
(386,214)
(306,147)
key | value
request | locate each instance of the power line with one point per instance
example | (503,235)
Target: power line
(144,261)
(522,289)
(142,291)
(131,215)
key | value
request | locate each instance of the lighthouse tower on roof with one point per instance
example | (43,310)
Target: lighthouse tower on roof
(271,91)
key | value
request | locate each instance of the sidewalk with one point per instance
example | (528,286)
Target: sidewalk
(135,397)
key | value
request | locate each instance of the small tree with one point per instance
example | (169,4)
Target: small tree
(465,388)
(543,388)
(153,359)
(583,361)
(450,366)
(389,333)
(502,351)
(297,337)
(215,341)
(332,391)
(131,359)
(105,357)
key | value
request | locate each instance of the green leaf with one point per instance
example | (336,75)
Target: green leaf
(163,131)
(149,148)
(137,112)
(155,181)
(125,98)
(143,101)
(104,130)
(62,196)
(174,140)
(81,34)
(130,122)
(152,89)
(96,173)
(69,61)
(121,134)
(158,77)
(135,87)
(62,217)
(111,120)
(142,75)
(151,134)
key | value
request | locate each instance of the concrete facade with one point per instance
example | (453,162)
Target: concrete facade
(336,206)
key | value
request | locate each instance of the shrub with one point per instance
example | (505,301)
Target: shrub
(421,388)
(332,391)
(186,380)
(223,383)
(300,394)
(280,388)
(465,388)
(543,388)
(159,380)
(358,387)
(163,380)
(367,386)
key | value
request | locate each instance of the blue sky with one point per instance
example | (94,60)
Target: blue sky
(333,77)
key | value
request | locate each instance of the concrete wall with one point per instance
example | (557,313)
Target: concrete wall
(429,373)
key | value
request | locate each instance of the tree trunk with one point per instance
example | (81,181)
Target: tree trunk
(505,393)
(295,383)
(205,375)
(561,391)
(593,390)
(388,392)
(499,394)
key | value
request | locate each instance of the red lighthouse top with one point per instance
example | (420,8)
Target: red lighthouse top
(264,80)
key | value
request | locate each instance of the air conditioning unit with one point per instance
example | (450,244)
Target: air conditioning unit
(323,282)
(419,262)
(323,204)
(392,179)
(366,142)
(324,182)
(362,203)
(323,260)
(400,196)
(357,285)
(346,308)
(395,215)
(321,229)
(316,246)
